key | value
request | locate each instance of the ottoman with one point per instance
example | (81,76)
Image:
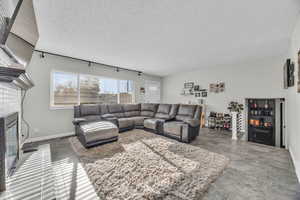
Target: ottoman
(99,132)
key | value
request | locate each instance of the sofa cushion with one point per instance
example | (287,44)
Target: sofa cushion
(138,120)
(91,118)
(164,108)
(103,109)
(148,109)
(125,122)
(116,110)
(99,131)
(163,111)
(132,110)
(174,110)
(89,109)
(151,123)
(185,112)
(107,116)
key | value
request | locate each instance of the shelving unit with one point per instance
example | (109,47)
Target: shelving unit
(262,121)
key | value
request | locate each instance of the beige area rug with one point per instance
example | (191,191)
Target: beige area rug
(143,165)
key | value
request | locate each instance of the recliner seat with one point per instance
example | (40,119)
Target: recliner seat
(186,125)
(165,112)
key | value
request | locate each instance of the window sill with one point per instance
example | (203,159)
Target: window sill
(61,107)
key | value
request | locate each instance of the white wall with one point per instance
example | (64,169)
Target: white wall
(260,79)
(293,104)
(47,122)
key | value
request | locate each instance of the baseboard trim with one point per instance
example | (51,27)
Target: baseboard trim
(296,164)
(49,137)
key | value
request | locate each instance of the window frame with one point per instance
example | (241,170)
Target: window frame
(70,107)
(152,82)
(64,107)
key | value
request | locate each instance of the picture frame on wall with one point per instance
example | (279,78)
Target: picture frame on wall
(197,88)
(291,77)
(204,94)
(213,87)
(188,85)
(288,74)
(142,90)
(221,87)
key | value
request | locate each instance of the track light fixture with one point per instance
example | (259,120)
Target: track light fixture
(42,55)
(118,69)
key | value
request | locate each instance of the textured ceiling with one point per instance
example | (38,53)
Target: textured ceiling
(163,37)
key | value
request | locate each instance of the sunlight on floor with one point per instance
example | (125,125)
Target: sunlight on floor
(33,180)
(71,181)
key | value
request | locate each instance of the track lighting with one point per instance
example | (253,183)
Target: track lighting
(90,63)
(117,69)
(139,73)
(42,55)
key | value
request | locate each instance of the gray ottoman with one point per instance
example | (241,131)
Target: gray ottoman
(95,133)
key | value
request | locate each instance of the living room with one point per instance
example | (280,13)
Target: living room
(149,99)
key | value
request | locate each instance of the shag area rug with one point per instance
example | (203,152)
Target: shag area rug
(143,165)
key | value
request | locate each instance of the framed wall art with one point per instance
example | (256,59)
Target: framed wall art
(204,94)
(221,87)
(197,88)
(188,85)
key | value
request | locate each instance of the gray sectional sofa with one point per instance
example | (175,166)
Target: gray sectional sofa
(177,121)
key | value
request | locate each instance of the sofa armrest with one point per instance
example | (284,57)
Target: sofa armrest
(169,119)
(77,121)
(113,120)
(192,122)
(107,116)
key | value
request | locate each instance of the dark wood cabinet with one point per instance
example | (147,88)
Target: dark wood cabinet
(261,121)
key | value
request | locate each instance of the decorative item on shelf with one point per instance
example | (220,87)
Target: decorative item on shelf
(220,121)
(227,122)
(201,102)
(235,108)
(212,120)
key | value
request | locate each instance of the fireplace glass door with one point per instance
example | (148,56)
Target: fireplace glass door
(11,146)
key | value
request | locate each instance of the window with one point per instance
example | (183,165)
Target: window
(72,89)
(152,91)
(65,89)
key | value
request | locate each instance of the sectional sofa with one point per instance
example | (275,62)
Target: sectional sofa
(177,121)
